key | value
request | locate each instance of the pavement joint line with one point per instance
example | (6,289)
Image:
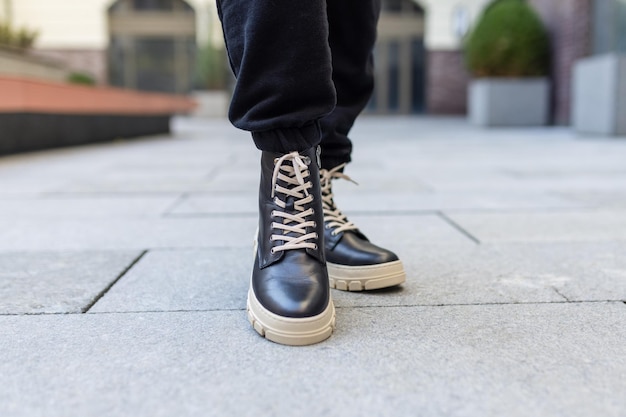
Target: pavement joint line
(458,227)
(120,194)
(81,196)
(177,201)
(204,248)
(221,193)
(217,310)
(215,170)
(488,304)
(112,283)
(524,210)
(208,215)
(399,213)
(505,210)
(556,290)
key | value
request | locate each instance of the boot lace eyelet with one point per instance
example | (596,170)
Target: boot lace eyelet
(272,251)
(314,246)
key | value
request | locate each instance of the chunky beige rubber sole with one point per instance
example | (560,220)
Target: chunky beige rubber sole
(290,331)
(367,277)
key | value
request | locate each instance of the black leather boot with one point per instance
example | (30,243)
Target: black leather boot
(289,298)
(354,263)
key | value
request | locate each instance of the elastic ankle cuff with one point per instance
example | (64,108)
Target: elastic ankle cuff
(288,139)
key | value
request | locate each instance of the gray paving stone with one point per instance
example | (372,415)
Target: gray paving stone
(236,180)
(174,280)
(456,183)
(609,199)
(568,225)
(201,232)
(217,203)
(152,165)
(57,282)
(369,202)
(514,360)
(384,181)
(20,187)
(440,201)
(164,184)
(547,207)
(396,231)
(454,274)
(177,173)
(166,280)
(580,271)
(503,273)
(129,233)
(86,207)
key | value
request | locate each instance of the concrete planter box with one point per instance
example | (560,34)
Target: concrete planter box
(599,95)
(509,101)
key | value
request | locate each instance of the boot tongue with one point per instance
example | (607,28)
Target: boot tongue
(290,205)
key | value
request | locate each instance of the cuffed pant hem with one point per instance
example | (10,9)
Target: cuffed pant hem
(288,139)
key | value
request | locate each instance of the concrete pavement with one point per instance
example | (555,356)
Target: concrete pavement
(124,269)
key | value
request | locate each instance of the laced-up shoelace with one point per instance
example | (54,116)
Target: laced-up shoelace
(333,217)
(293,226)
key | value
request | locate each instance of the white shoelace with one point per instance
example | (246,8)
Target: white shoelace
(333,217)
(293,226)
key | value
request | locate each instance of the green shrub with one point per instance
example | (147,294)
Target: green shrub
(19,38)
(509,40)
(81,78)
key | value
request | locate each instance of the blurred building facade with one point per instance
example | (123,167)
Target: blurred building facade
(97,37)
(419,55)
(571,26)
(152,45)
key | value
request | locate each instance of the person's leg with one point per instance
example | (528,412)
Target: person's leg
(354,263)
(279,53)
(352,34)
(278,50)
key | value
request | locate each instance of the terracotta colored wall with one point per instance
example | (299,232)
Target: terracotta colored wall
(21,95)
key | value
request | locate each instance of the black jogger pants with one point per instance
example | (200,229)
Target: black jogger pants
(304,71)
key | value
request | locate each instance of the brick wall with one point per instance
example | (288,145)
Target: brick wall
(569,24)
(446,79)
